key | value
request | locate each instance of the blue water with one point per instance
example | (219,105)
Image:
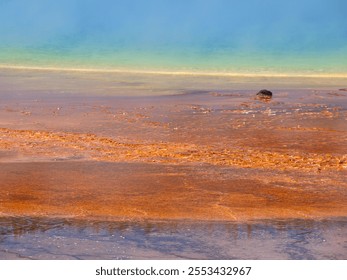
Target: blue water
(249,36)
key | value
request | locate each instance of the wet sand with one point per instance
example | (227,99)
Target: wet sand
(194,153)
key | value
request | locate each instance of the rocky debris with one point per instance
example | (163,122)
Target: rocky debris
(264,93)
(343,89)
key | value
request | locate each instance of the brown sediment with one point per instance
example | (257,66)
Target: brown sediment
(51,145)
(205,155)
(123,191)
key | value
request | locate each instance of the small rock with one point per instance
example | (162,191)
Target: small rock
(264,93)
(343,89)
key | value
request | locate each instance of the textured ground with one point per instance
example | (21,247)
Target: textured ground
(206,155)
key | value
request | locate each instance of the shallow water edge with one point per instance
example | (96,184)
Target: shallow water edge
(45,238)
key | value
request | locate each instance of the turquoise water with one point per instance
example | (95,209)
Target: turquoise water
(218,36)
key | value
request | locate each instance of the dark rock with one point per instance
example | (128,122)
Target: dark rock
(264,93)
(343,89)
